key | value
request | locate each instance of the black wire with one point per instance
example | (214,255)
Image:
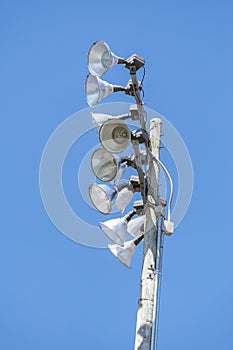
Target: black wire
(144,73)
(143,94)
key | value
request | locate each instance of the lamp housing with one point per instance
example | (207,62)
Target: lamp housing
(103,197)
(101,58)
(106,166)
(116,229)
(115,135)
(96,89)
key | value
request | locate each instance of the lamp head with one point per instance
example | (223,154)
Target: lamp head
(102,197)
(123,254)
(136,226)
(106,166)
(115,135)
(96,89)
(100,58)
(115,229)
(126,191)
(99,118)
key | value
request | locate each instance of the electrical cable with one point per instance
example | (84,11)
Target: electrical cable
(171,184)
(144,73)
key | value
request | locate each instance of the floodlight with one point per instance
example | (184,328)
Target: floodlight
(136,226)
(99,118)
(126,191)
(114,135)
(124,254)
(103,197)
(106,166)
(96,89)
(124,197)
(100,58)
(116,229)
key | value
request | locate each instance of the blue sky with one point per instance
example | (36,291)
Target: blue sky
(57,294)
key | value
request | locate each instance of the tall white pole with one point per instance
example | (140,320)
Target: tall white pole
(149,288)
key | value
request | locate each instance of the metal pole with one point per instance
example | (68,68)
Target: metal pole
(148,299)
(158,275)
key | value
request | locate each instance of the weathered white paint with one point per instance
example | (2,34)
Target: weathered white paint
(149,280)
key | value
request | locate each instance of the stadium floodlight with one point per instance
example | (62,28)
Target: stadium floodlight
(106,166)
(136,226)
(100,58)
(103,197)
(116,229)
(96,89)
(115,135)
(126,191)
(124,254)
(99,118)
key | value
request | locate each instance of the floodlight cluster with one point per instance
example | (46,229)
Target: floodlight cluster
(107,163)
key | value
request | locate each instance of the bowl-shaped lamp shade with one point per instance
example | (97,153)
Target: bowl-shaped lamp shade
(102,197)
(100,58)
(104,165)
(136,226)
(124,196)
(115,229)
(114,136)
(96,89)
(123,254)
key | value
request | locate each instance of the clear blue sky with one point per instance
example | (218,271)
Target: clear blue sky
(57,294)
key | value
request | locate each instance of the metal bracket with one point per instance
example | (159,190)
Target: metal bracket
(158,208)
(132,88)
(134,181)
(135,61)
(140,135)
(133,112)
(139,207)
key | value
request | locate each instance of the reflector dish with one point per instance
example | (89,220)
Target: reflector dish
(115,229)
(123,254)
(136,226)
(104,165)
(114,135)
(100,58)
(96,89)
(102,197)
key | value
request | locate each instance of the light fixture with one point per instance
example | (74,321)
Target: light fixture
(115,135)
(100,58)
(103,197)
(96,89)
(116,229)
(126,191)
(124,254)
(136,226)
(125,194)
(106,166)
(99,118)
